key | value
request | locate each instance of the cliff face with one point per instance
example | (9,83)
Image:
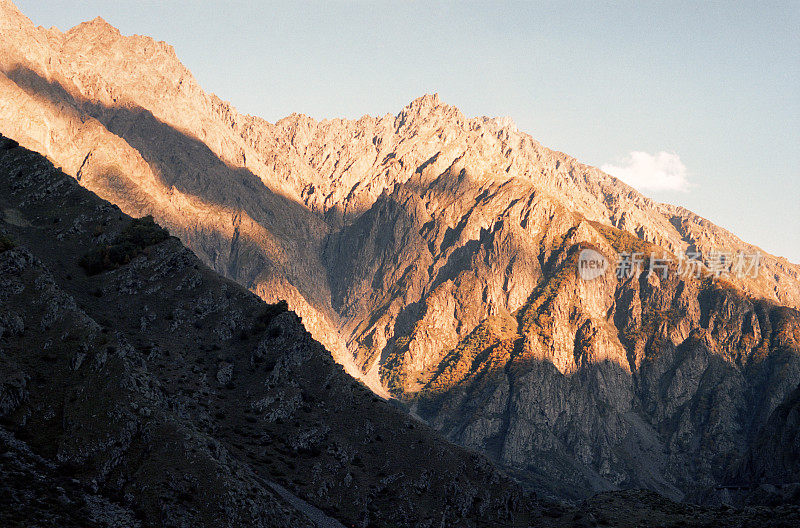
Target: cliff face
(434,255)
(646,382)
(773,457)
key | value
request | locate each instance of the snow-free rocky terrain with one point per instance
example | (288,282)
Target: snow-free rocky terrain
(151,391)
(434,257)
(140,388)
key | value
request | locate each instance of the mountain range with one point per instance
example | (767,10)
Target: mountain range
(434,256)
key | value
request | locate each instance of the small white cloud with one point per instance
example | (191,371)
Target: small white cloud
(663,171)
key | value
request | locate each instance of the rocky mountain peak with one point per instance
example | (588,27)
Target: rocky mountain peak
(430,110)
(425,101)
(100,37)
(97,25)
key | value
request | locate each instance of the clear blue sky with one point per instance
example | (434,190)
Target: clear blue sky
(715,84)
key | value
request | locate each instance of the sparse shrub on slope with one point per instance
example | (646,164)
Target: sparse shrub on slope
(140,234)
(488,346)
(622,241)
(265,317)
(393,372)
(6,243)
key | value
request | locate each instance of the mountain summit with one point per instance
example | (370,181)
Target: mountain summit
(435,256)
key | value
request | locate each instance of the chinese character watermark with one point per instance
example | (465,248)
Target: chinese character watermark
(716,263)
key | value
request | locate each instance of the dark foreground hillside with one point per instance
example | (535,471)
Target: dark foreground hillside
(139,388)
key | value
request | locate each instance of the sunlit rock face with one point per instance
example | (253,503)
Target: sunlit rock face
(435,256)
